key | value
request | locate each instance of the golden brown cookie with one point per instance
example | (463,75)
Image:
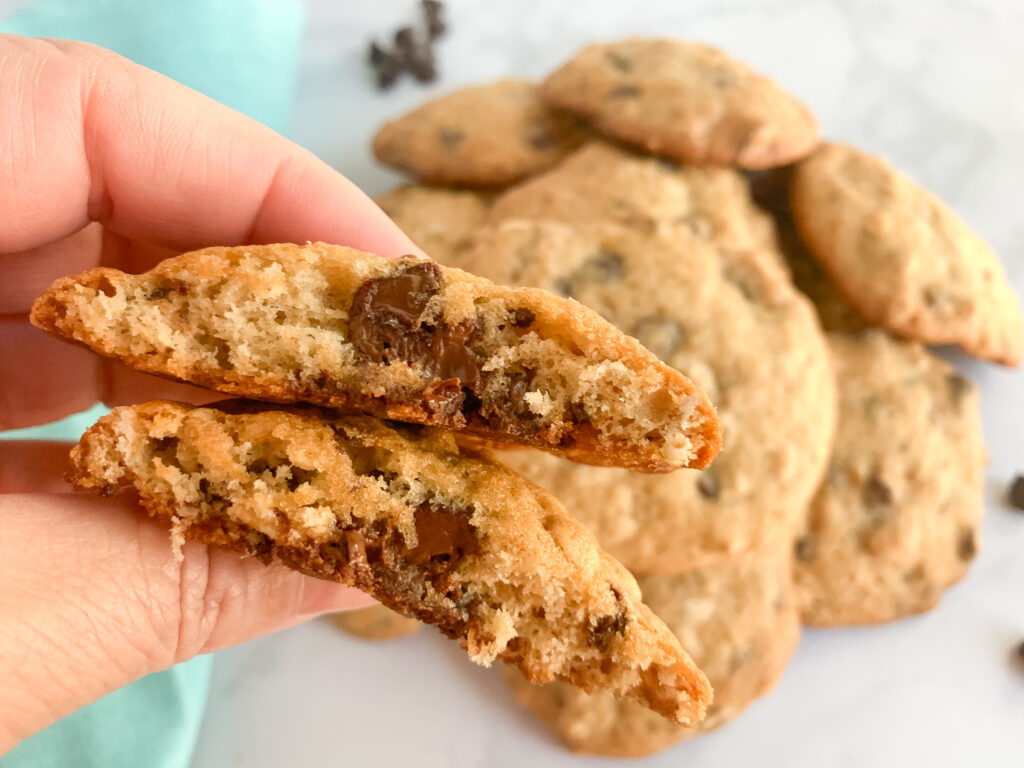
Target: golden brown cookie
(486,135)
(896,519)
(440,221)
(600,182)
(457,542)
(400,338)
(771,191)
(685,100)
(375,622)
(734,323)
(740,621)
(904,259)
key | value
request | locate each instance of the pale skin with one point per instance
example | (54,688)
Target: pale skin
(104,162)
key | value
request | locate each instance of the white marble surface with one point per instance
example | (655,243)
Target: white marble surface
(933,85)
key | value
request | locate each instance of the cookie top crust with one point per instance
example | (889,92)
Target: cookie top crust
(489,135)
(902,257)
(685,100)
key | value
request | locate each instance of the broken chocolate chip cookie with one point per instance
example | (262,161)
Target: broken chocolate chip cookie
(397,511)
(399,338)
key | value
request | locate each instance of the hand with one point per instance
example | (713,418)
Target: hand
(102,161)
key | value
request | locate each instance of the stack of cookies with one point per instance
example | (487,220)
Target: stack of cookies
(692,203)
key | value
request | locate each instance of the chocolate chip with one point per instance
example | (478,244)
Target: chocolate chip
(541,139)
(522,317)
(876,493)
(605,267)
(967,546)
(708,486)
(806,549)
(157,294)
(433,11)
(386,325)
(959,387)
(1018,652)
(387,64)
(604,629)
(1016,493)
(562,286)
(740,658)
(619,62)
(450,138)
(470,402)
(444,535)
(624,92)
(664,337)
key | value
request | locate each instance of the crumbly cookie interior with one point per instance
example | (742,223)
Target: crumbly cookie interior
(402,342)
(456,542)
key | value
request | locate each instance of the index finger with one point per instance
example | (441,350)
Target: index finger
(86,135)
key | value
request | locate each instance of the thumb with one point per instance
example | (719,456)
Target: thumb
(94,598)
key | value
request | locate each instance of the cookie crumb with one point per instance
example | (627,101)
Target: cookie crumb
(1016,493)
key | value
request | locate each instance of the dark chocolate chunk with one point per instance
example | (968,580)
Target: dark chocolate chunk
(959,387)
(1019,653)
(540,139)
(876,493)
(967,546)
(806,549)
(443,535)
(433,14)
(604,629)
(405,40)
(1016,493)
(708,486)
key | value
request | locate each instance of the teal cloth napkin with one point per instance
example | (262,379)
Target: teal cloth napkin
(244,53)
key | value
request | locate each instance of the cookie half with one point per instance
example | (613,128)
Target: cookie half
(459,543)
(732,321)
(902,257)
(686,100)
(897,517)
(400,338)
(741,621)
(486,135)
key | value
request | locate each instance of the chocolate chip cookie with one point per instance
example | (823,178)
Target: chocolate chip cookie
(602,182)
(486,135)
(896,519)
(734,323)
(740,621)
(440,221)
(457,542)
(400,338)
(685,100)
(904,259)
(376,622)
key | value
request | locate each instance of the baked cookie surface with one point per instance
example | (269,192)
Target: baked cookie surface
(400,338)
(440,221)
(896,519)
(741,622)
(486,135)
(457,542)
(600,182)
(733,322)
(686,100)
(902,257)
